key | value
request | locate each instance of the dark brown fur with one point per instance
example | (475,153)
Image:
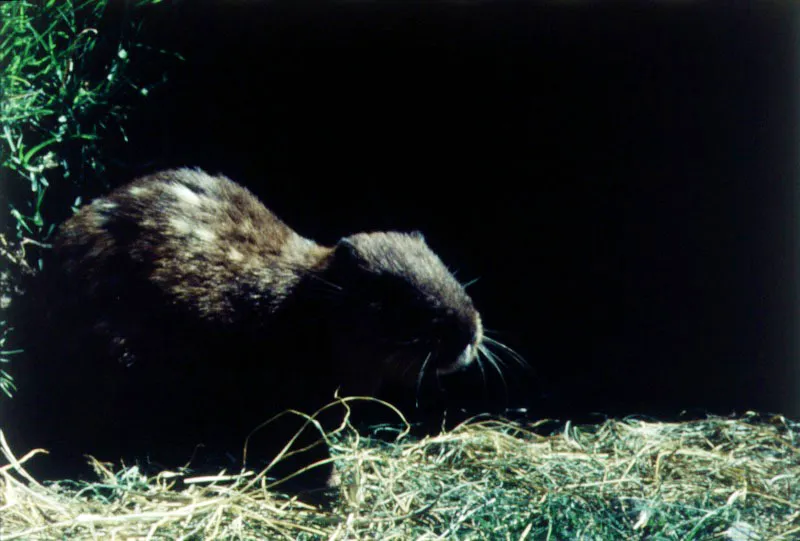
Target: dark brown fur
(219,315)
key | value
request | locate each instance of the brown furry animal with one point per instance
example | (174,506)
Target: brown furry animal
(220,316)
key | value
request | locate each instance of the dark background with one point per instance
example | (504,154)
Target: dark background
(621,177)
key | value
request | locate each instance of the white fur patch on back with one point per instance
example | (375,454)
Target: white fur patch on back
(202,179)
(235,255)
(184,194)
(205,235)
(138,191)
(180,226)
(100,218)
(104,204)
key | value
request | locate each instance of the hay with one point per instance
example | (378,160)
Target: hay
(721,478)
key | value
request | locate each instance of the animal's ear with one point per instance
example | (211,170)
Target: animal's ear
(347,255)
(346,248)
(418,235)
(345,243)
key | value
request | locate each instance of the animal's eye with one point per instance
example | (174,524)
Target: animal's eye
(409,317)
(397,305)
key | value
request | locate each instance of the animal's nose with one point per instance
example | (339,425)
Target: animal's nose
(463,360)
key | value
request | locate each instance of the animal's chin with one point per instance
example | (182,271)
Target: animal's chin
(409,365)
(462,361)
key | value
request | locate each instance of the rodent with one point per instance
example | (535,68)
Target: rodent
(211,304)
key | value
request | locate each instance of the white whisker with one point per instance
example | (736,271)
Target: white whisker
(495,361)
(419,379)
(480,365)
(511,353)
(471,282)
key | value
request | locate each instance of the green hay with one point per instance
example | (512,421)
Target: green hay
(720,478)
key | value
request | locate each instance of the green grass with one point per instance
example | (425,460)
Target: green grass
(63,83)
(732,479)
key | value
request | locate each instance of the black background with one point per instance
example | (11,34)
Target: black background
(621,177)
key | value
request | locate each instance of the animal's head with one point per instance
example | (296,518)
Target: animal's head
(401,306)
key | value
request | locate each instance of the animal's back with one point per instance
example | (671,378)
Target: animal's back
(163,298)
(200,240)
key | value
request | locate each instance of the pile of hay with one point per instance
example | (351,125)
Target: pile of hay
(720,478)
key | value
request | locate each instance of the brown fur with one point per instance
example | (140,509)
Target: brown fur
(221,315)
